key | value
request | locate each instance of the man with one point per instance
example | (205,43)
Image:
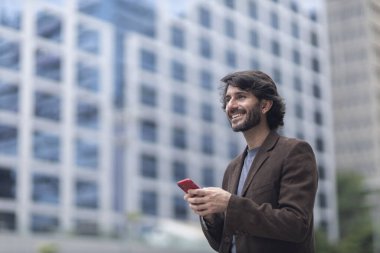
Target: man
(268,192)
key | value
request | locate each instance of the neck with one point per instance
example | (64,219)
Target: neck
(256,136)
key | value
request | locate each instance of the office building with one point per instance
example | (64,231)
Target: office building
(100,118)
(354,28)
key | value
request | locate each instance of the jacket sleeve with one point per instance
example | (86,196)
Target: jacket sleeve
(213,232)
(292,216)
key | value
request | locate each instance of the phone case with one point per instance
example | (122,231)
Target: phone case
(187,184)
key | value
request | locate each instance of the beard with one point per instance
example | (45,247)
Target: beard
(253,118)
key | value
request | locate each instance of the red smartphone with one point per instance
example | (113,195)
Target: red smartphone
(187,184)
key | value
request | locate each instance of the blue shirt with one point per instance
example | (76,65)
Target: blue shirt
(251,154)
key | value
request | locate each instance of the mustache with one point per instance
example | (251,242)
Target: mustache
(236,110)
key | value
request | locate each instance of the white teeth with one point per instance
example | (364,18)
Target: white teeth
(236,115)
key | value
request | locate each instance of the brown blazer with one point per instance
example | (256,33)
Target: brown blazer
(275,212)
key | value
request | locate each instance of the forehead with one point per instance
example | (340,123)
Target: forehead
(233,90)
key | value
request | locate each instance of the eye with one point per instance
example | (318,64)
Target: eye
(240,97)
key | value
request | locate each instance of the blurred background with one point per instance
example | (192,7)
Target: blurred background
(105,104)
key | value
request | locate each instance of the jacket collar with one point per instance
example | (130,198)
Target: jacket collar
(261,156)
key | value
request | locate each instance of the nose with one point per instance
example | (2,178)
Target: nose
(231,105)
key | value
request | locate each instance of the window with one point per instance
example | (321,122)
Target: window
(297,83)
(10,16)
(296,57)
(44,223)
(316,91)
(180,208)
(148,131)
(49,26)
(7,221)
(299,111)
(8,140)
(255,64)
(254,38)
(231,59)
(206,79)
(148,166)
(179,170)
(321,172)
(88,39)
(320,144)
(86,194)
(86,154)
(322,200)
(88,76)
(7,184)
(48,65)
(295,30)
(208,177)
(207,144)
(318,118)
(294,6)
(46,146)
(149,202)
(179,138)
(178,71)
(177,37)
(314,39)
(229,28)
(47,106)
(230,3)
(148,95)
(86,227)
(148,60)
(313,16)
(233,149)
(207,112)
(275,48)
(87,115)
(9,54)
(204,17)
(45,189)
(9,96)
(179,104)
(252,9)
(274,20)
(277,76)
(315,65)
(205,49)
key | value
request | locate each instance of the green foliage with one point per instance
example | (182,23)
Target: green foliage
(48,248)
(356,231)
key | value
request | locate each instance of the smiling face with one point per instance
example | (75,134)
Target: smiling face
(243,109)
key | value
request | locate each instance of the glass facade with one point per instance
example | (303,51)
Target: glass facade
(44,223)
(87,153)
(46,189)
(7,183)
(9,96)
(9,54)
(47,106)
(86,194)
(48,64)
(46,146)
(149,202)
(87,115)
(8,140)
(49,26)
(88,76)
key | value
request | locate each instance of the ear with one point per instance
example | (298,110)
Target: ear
(266,105)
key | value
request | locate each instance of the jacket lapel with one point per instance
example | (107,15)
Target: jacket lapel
(236,173)
(260,159)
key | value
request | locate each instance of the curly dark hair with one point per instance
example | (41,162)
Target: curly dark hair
(260,85)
